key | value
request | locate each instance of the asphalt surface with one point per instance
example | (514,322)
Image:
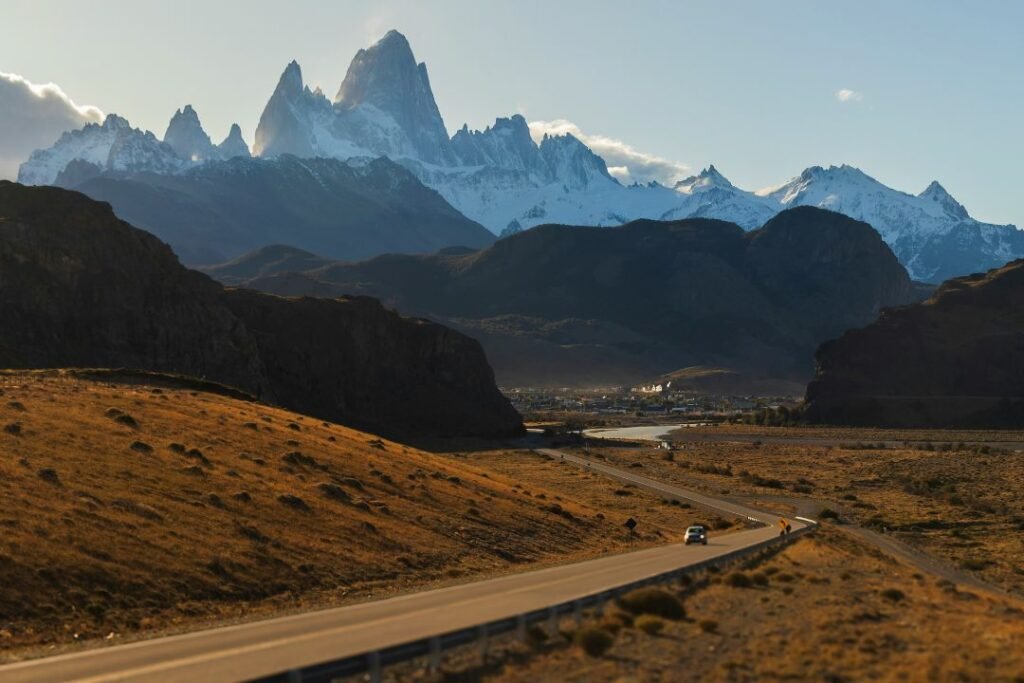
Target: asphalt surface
(266,647)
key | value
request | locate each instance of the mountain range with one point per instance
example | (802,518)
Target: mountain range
(214,211)
(561,306)
(505,180)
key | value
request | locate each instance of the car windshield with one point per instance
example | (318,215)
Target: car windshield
(694,530)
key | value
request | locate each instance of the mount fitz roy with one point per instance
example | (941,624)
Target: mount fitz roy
(501,178)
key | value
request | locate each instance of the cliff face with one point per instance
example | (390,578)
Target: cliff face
(80,288)
(954,360)
(351,358)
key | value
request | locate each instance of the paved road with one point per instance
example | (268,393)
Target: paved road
(666,490)
(266,647)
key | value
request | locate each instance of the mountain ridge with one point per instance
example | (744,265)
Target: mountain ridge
(586,306)
(505,180)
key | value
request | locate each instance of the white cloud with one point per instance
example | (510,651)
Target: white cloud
(625,163)
(847,95)
(34,116)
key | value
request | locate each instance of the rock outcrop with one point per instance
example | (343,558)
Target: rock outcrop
(81,288)
(955,360)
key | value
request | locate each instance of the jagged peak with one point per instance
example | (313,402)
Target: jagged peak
(706,179)
(185,116)
(391,55)
(290,83)
(115,122)
(937,193)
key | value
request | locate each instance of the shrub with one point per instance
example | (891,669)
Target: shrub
(975,564)
(656,601)
(893,594)
(14,429)
(828,513)
(141,447)
(594,641)
(738,580)
(536,636)
(650,624)
(335,492)
(616,621)
(708,625)
(293,502)
(127,420)
(49,475)
(760,579)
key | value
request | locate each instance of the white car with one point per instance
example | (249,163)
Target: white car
(696,534)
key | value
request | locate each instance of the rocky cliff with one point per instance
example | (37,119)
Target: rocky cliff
(955,360)
(79,287)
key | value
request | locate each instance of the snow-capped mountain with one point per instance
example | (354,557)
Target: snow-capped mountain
(115,145)
(931,233)
(504,179)
(111,145)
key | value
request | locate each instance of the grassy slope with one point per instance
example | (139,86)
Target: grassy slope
(828,613)
(107,527)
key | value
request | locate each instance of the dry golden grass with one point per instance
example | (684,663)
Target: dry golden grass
(962,505)
(829,609)
(140,509)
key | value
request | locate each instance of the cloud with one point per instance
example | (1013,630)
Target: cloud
(34,116)
(847,95)
(625,163)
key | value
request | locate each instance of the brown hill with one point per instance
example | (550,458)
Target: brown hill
(955,360)
(80,288)
(146,504)
(576,306)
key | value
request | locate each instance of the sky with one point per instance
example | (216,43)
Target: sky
(908,91)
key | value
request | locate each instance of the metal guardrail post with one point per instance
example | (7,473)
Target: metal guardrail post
(484,643)
(521,628)
(373,665)
(435,654)
(553,621)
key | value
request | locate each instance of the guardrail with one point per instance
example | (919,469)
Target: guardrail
(431,648)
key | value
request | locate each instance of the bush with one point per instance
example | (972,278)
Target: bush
(656,601)
(708,625)
(536,636)
(760,579)
(293,502)
(616,621)
(738,580)
(650,624)
(828,513)
(893,594)
(975,564)
(594,641)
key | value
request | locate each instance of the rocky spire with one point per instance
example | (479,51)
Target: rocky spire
(387,77)
(187,138)
(233,145)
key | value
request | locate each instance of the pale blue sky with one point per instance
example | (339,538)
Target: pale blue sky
(747,85)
